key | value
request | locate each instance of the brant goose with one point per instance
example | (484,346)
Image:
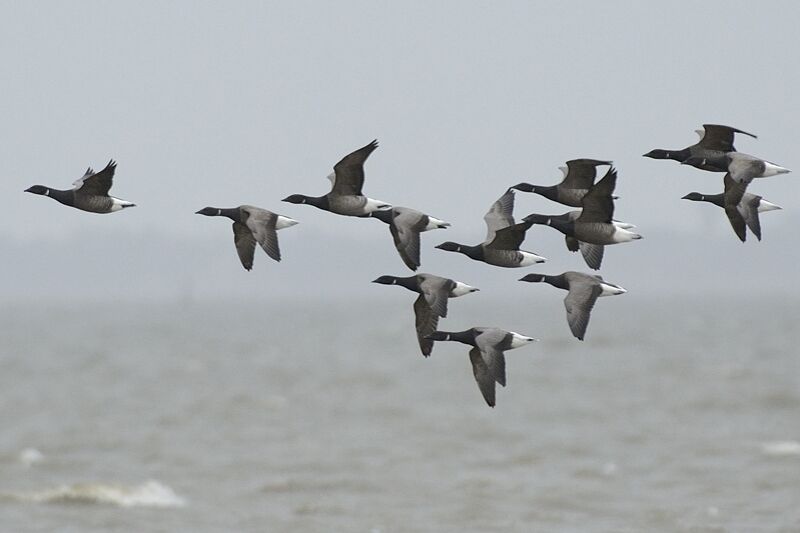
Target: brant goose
(741,167)
(579,175)
(715,140)
(488,361)
(503,238)
(432,301)
(251,225)
(595,224)
(90,193)
(583,289)
(405,225)
(741,207)
(592,253)
(347,180)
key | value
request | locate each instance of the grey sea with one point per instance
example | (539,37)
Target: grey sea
(677,415)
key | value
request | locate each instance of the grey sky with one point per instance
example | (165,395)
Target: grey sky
(222,103)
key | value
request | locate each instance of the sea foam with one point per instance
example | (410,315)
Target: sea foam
(149,494)
(781,448)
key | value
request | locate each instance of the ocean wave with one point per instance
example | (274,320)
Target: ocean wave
(30,457)
(781,448)
(149,494)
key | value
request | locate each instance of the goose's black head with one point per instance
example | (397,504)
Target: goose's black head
(386,280)
(210,211)
(695,196)
(533,278)
(38,189)
(450,246)
(296,199)
(658,154)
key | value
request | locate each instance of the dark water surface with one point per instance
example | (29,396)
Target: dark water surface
(677,415)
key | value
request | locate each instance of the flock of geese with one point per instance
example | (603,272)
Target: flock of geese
(588,230)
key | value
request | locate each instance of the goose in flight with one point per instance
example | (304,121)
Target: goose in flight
(432,301)
(584,290)
(347,180)
(487,354)
(252,225)
(89,193)
(503,238)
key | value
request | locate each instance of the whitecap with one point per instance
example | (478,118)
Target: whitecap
(149,494)
(781,448)
(30,456)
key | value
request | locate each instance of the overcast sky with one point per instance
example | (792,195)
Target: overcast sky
(224,103)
